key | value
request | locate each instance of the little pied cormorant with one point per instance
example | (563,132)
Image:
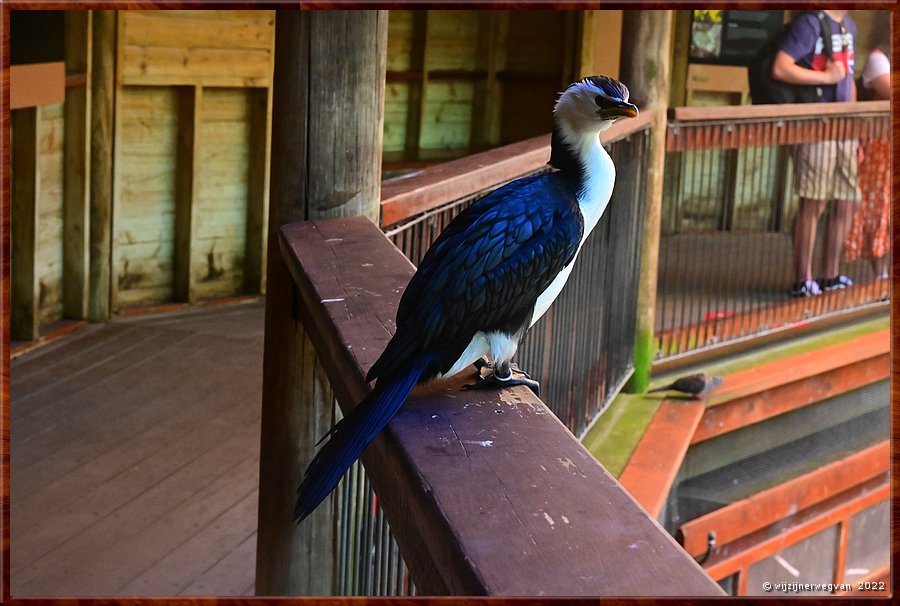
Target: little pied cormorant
(489,276)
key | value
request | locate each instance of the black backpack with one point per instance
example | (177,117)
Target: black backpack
(766,89)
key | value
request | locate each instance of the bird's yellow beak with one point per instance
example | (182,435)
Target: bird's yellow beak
(623,110)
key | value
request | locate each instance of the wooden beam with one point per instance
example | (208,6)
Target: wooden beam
(769,506)
(415,104)
(102,119)
(258,189)
(328,95)
(76,166)
(190,100)
(791,110)
(487,99)
(23,216)
(487,492)
(772,389)
(815,521)
(646,72)
(653,466)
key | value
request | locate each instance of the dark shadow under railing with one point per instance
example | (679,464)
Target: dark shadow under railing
(487,493)
(725,262)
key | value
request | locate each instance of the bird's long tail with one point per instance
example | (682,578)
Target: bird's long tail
(350,437)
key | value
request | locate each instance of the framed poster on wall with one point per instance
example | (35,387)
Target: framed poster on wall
(731,37)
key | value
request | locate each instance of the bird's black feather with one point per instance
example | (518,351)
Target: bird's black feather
(485,271)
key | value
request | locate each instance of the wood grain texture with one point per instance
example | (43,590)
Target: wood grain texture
(489,494)
(135,441)
(325,162)
(49,242)
(76,168)
(102,112)
(209,48)
(223,167)
(152,178)
(24,195)
(188,112)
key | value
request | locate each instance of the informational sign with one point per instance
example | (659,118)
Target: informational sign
(731,37)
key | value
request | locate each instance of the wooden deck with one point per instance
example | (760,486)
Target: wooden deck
(135,457)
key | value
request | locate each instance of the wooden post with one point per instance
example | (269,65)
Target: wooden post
(76,166)
(24,315)
(186,188)
(327,118)
(103,83)
(645,70)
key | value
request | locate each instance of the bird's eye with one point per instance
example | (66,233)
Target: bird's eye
(602,101)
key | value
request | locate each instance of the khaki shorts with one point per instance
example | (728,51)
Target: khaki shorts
(827,170)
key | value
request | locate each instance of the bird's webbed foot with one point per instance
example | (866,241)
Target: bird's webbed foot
(507,375)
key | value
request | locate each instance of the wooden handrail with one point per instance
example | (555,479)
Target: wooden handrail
(792,110)
(409,195)
(487,493)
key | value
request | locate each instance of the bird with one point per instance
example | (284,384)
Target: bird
(486,279)
(694,385)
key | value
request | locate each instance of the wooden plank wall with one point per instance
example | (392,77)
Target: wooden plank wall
(49,257)
(193,98)
(462,81)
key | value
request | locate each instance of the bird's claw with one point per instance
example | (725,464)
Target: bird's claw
(516,377)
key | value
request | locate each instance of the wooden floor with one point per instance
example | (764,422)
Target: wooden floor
(135,457)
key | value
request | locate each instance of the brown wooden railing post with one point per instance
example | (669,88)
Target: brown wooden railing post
(646,71)
(327,119)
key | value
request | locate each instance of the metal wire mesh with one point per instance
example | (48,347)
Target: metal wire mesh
(726,261)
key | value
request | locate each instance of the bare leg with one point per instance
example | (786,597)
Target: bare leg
(804,233)
(835,233)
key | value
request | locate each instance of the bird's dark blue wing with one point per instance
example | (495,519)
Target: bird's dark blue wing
(485,271)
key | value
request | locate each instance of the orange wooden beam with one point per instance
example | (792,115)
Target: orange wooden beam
(769,506)
(732,564)
(802,366)
(773,401)
(653,465)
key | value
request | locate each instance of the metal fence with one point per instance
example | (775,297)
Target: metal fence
(368,559)
(726,255)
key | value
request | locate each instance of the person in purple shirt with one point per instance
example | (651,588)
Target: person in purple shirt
(825,170)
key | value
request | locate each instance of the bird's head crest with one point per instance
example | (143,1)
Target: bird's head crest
(593,104)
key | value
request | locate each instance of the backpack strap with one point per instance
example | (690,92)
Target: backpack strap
(826,34)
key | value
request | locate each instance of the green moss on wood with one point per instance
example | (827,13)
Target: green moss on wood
(616,434)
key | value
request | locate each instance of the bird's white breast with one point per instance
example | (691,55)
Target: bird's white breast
(592,200)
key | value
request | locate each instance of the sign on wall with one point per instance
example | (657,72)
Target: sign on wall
(731,37)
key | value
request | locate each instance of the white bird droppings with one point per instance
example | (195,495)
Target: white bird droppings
(335,300)
(479,442)
(567,462)
(334,240)
(565,520)
(549,519)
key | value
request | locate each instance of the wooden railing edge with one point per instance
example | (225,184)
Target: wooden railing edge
(407,196)
(490,494)
(788,110)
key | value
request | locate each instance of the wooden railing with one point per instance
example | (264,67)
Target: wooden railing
(487,493)
(725,266)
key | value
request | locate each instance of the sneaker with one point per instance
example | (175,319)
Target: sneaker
(806,289)
(837,283)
